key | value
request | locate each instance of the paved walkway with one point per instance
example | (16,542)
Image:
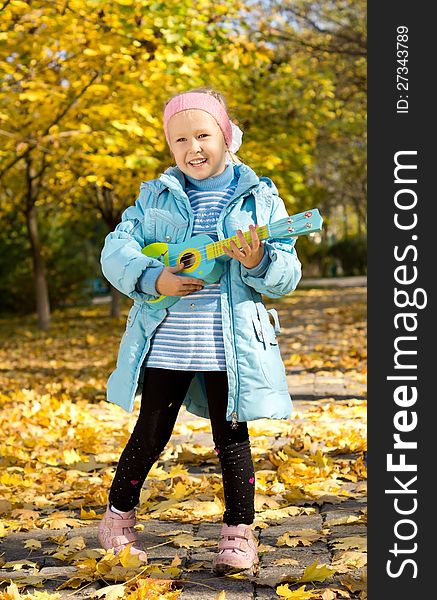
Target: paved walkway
(332,282)
(328,521)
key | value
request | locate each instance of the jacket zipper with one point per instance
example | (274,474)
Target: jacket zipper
(234,414)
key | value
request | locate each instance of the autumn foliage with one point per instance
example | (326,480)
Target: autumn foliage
(61,443)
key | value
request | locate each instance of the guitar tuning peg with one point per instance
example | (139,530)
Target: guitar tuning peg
(289,220)
(290,229)
(308,225)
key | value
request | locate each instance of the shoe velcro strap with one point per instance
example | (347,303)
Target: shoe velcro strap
(239,532)
(237,544)
(122,523)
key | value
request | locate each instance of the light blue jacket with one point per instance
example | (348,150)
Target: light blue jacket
(162,212)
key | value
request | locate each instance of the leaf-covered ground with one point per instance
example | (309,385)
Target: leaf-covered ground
(61,442)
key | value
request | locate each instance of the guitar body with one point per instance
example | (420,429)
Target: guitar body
(192,253)
(203,258)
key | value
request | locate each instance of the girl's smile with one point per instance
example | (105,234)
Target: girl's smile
(198,162)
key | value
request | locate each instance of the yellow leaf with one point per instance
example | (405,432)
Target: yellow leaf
(75,543)
(329,595)
(352,542)
(17,565)
(355,582)
(87,515)
(180,490)
(176,561)
(221,596)
(305,537)
(129,560)
(339,593)
(185,540)
(98,87)
(349,559)
(71,457)
(130,126)
(60,522)
(300,594)
(315,572)
(31,96)
(33,580)
(58,539)
(32,544)
(112,592)
(12,592)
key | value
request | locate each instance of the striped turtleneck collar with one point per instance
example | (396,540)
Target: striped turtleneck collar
(219,182)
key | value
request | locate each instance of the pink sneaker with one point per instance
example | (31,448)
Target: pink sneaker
(116,531)
(238,550)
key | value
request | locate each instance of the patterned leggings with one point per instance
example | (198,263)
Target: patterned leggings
(163,393)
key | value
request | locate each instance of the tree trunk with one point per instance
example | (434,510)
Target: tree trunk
(39,271)
(115,302)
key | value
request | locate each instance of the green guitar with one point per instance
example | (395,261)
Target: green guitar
(200,254)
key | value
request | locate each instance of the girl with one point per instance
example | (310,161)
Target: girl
(215,350)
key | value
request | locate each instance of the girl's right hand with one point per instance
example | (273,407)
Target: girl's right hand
(168,284)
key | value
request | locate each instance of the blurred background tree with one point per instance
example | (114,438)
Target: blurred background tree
(83,85)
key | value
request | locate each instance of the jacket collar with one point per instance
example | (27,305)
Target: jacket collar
(174,180)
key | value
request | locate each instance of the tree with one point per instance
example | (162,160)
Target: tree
(81,90)
(325,45)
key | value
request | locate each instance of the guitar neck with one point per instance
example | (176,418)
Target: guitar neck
(302,223)
(215,249)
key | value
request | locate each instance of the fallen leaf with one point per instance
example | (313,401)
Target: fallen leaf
(349,543)
(185,540)
(32,544)
(19,564)
(111,592)
(282,562)
(316,572)
(305,537)
(300,594)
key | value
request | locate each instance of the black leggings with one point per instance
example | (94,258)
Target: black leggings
(163,393)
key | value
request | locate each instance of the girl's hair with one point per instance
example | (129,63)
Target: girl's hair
(218,96)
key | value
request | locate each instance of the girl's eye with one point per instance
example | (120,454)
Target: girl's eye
(180,140)
(203,135)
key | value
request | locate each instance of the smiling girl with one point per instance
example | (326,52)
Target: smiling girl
(215,350)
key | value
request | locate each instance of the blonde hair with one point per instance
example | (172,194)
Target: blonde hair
(218,96)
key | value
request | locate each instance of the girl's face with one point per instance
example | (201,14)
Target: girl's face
(197,143)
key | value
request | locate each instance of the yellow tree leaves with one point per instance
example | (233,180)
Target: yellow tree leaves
(71,74)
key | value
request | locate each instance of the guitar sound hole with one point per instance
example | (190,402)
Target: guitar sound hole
(188,260)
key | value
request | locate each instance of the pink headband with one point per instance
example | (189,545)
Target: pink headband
(200,101)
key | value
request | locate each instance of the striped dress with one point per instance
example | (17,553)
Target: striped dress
(190,338)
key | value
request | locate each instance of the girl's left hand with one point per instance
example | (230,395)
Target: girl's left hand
(251,254)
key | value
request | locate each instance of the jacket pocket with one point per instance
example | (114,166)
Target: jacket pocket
(132,315)
(265,331)
(168,227)
(276,324)
(268,354)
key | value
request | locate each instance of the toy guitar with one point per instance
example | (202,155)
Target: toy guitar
(200,253)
